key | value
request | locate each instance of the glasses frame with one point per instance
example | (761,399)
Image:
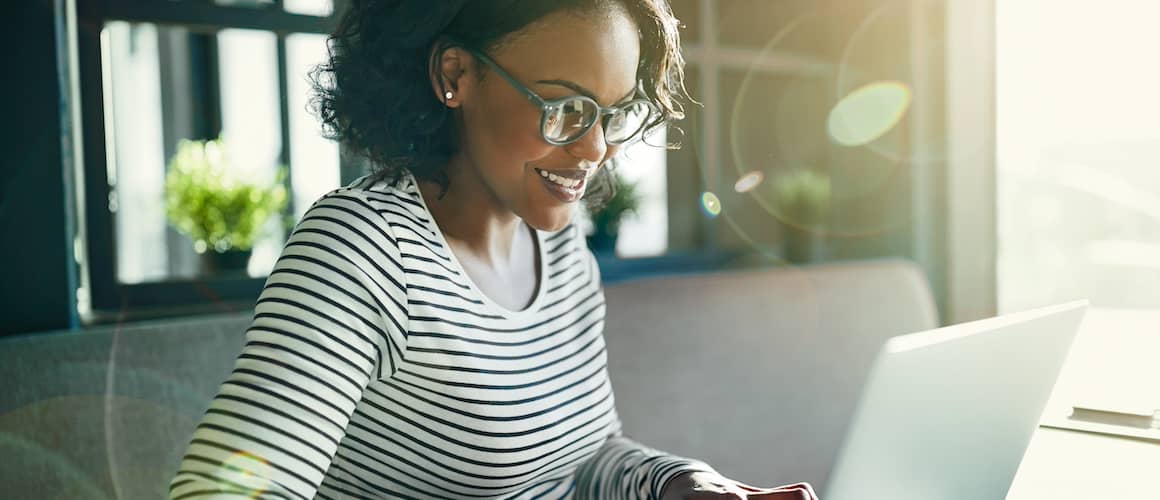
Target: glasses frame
(549,105)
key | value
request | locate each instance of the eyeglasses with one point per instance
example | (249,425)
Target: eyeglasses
(568,119)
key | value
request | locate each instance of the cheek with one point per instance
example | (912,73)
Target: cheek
(508,140)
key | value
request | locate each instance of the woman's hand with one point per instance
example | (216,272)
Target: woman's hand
(707,486)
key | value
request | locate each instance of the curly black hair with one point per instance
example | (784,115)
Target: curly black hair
(374,94)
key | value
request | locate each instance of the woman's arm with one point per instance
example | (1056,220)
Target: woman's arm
(625,469)
(329,320)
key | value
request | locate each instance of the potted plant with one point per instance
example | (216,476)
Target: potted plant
(803,200)
(222,214)
(606,219)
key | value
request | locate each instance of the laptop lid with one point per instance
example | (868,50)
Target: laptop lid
(947,414)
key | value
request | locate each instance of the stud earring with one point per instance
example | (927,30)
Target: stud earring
(448,95)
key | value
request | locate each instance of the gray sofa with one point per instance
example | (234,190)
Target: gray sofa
(756,372)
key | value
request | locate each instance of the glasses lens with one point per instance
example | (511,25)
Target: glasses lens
(569,119)
(626,122)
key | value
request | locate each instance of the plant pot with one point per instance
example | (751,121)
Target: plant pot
(803,246)
(603,241)
(230,261)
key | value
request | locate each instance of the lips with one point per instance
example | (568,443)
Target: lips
(566,185)
(568,173)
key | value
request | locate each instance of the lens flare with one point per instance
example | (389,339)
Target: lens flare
(251,472)
(710,204)
(749,181)
(868,113)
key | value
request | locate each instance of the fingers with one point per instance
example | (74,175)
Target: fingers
(797,491)
(805,487)
(707,495)
(790,494)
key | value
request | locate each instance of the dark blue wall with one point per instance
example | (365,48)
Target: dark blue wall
(36,270)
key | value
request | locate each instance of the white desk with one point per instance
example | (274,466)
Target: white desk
(1069,465)
(1114,349)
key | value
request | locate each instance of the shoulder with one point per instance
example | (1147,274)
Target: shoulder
(373,202)
(359,222)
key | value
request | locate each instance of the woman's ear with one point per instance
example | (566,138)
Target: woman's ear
(447,69)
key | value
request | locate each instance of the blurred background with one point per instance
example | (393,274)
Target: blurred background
(1013,155)
(862,168)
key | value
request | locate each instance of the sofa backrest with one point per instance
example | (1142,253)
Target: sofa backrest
(757,372)
(108,412)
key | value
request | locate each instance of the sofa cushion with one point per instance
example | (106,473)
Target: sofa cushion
(756,372)
(108,412)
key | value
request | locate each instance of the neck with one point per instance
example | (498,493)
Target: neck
(472,218)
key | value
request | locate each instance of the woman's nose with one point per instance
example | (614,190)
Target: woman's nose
(592,147)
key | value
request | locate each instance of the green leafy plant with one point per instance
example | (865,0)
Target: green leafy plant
(626,200)
(606,218)
(205,200)
(803,196)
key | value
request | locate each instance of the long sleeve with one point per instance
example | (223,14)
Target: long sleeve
(329,320)
(623,469)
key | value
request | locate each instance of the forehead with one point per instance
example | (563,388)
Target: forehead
(599,51)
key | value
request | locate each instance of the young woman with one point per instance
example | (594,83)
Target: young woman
(434,330)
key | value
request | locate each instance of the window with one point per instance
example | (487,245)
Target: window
(769,77)
(1078,151)
(645,234)
(772,76)
(193,70)
(1078,188)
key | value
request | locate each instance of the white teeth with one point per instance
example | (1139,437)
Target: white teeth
(561,181)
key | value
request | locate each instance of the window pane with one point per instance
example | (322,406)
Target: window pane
(1077,149)
(309,7)
(248,66)
(684,173)
(801,26)
(820,31)
(689,12)
(646,233)
(134,145)
(164,85)
(314,158)
(771,126)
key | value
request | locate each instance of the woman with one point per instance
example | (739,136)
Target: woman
(434,330)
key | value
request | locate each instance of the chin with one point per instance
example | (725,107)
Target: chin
(550,221)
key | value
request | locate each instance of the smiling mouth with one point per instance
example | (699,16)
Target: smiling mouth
(566,185)
(568,179)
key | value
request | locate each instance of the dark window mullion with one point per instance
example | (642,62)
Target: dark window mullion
(207,77)
(102,250)
(284,110)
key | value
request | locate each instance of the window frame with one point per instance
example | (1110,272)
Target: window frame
(107,298)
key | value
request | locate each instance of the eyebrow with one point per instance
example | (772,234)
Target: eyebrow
(579,89)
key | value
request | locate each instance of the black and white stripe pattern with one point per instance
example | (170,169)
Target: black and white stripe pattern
(374,368)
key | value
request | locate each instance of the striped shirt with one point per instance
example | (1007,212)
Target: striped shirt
(375,368)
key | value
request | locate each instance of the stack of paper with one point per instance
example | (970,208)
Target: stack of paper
(1111,382)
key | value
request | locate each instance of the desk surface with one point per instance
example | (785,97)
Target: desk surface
(1070,465)
(1112,349)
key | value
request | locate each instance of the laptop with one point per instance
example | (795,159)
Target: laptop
(947,414)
